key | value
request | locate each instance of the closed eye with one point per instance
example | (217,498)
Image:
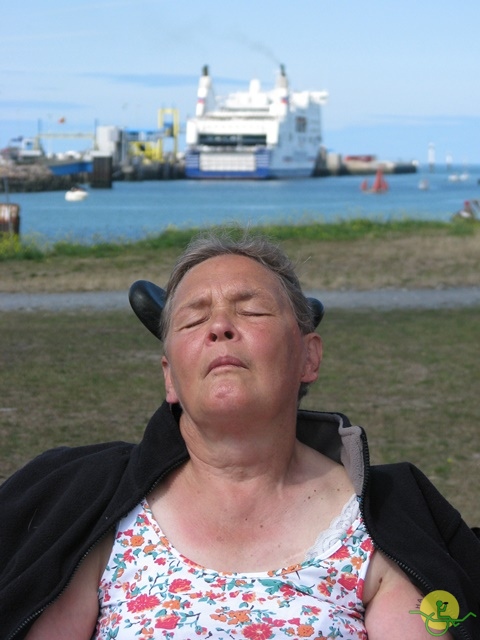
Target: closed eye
(188,324)
(255,313)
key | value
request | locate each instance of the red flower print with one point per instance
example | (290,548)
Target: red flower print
(341,553)
(180,584)
(325,589)
(249,596)
(287,591)
(367,545)
(360,587)
(219,582)
(142,603)
(348,581)
(167,622)
(258,631)
(274,623)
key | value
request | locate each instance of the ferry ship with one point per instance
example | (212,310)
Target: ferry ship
(254,134)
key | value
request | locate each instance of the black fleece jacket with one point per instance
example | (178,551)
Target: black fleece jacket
(55,509)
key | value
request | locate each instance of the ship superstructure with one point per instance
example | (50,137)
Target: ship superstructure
(254,134)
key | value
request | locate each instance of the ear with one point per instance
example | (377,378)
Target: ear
(171,394)
(313,357)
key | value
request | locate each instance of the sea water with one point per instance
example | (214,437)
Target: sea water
(132,210)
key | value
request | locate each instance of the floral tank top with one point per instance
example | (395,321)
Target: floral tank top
(149,590)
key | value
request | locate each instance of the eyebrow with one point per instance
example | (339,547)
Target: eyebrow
(202,300)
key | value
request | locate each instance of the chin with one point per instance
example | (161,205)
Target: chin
(226,399)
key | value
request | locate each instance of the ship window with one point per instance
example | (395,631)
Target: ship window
(222,140)
(300,124)
(252,140)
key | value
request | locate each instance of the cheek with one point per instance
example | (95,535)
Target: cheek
(179,360)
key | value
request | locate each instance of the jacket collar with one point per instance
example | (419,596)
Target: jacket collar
(163,447)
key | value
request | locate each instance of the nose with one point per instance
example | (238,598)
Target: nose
(214,336)
(221,327)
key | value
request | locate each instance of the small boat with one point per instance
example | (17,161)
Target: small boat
(379,185)
(76,194)
(458,177)
(424,185)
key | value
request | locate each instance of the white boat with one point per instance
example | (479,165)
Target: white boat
(458,177)
(254,134)
(76,194)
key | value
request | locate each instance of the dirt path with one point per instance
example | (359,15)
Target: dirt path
(379,298)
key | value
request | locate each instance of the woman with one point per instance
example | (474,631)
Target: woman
(237,515)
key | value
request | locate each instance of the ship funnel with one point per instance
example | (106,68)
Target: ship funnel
(282,80)
(205,93)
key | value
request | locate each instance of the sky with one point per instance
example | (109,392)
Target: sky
(400,75)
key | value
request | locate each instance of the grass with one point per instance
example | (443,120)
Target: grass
(409,378)
(356,254)
(35,248)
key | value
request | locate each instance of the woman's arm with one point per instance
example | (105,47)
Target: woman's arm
(74,613)
(389,597)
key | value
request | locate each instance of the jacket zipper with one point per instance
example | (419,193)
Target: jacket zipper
(38,613)
(405,568)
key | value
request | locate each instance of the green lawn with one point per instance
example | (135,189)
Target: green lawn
(410,378)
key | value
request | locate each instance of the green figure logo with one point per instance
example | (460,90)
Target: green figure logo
(440,610)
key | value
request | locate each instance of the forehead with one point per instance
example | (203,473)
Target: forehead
(229,273)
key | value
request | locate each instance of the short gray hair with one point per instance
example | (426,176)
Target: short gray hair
(256,247)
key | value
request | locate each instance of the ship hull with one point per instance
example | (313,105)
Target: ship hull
(241,166)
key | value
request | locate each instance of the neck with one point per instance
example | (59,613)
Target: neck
(241,451)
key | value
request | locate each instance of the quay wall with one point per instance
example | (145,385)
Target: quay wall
(29,178)
(334,164)
(37,177)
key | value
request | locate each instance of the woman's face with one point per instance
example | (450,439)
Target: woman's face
(234,343)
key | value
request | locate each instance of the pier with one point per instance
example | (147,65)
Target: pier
(9,219)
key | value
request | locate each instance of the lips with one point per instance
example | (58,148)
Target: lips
(225,361)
